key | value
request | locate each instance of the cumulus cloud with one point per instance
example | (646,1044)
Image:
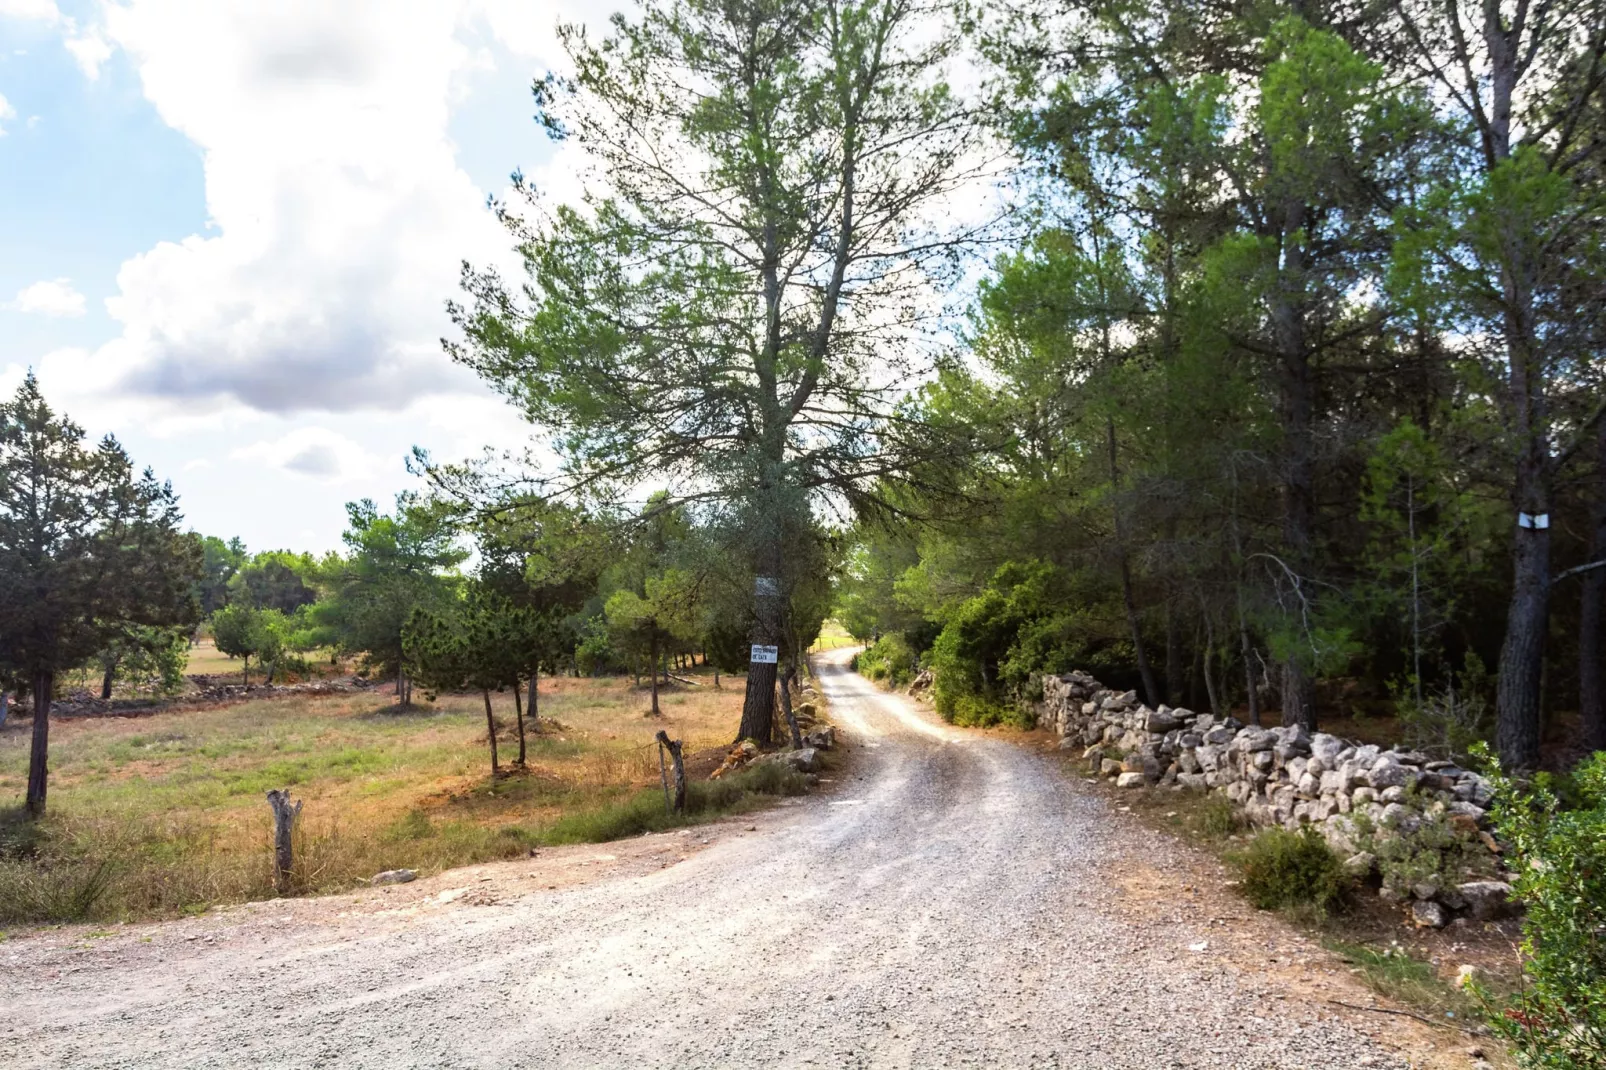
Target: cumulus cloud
(49,297)
(315,452)
(338,213)
(6,112)
(33,10)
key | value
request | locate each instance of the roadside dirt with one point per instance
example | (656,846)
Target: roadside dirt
(953,900)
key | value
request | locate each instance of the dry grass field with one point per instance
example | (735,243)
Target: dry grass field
(165,813)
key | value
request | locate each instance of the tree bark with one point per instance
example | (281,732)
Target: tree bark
(758,704)
(38,756)
(106,681)
(786,707)
(245,671)
(284,820)
(673,746)
(1248,652)
(652,672)
(1128,598)
(490,732)
(1174,681)
(518,713)
(535,701)
(1591,702)
(1296,404)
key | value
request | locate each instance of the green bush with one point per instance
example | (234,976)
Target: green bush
(1281,869)
(889,658)
(1435,852)
(979,711)
(1557,1020)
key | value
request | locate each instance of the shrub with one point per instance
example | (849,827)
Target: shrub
(889,658)
(979,711)
(1281,869)
(1557,1020)
(1435,852)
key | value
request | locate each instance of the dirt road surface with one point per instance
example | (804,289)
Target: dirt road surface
(951,900)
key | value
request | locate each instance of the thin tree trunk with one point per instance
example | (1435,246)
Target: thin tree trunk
(673,746)
(490,731)
(5,707)
(245,671)
(38,756)
(1173,653)
(1591,701)
(1209,655)
(518,712)
(1249,664)
(786,707)
(106,680)
(1150,692)
(652,671)
(535,701)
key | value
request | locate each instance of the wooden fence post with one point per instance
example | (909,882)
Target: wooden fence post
(673,746)
(284,820)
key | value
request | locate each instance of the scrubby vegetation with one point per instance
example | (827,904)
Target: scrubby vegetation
(1279,870)
(890,659)
(1557,844)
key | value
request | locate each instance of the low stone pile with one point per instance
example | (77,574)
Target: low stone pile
(1281,776)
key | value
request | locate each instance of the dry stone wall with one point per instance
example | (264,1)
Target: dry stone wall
(1282,776)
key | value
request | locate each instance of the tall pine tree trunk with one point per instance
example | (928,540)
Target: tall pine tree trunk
(1128,598)
(1591,702)
(1296,404)
(39,755)
(758,705)
(1522,655)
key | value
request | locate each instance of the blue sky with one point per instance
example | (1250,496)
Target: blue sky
(228,230)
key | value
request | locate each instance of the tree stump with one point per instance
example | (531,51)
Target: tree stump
(284,820)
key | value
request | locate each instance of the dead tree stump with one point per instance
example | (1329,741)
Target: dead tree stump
(673,746)
(284,820)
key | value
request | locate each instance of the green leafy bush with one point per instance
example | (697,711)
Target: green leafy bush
(1557,1020)
(1281,869)
(1435,852)
(889,658)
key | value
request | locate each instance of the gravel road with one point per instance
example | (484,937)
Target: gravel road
(952,900)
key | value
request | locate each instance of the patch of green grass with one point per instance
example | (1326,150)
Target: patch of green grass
(644,811)
(1394,973)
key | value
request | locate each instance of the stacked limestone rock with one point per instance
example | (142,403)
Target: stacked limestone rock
(1279,776)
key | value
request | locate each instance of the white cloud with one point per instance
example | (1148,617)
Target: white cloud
(34,10)
(315,452)
(338,213)
(6,112)
(91,50)
(49,297)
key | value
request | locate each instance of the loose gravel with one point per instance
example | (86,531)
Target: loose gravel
(952,900)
